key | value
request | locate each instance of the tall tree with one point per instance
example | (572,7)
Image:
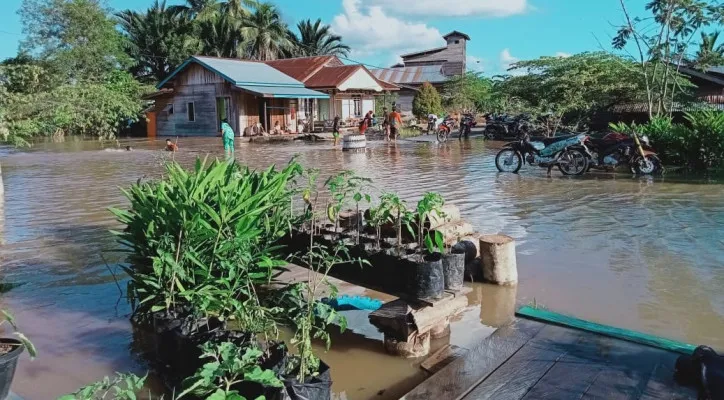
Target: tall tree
(158,40)
(660,43)
(709,53)
(220,37)
(265,33)
(198,9)
(77,38)
(316,39)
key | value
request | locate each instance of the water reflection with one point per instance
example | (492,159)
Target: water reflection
(644,254)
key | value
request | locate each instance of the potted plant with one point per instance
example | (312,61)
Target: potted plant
(428,280)
(10,350)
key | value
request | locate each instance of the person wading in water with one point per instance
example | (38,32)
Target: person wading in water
(227,135)
(170,146)
(395,121)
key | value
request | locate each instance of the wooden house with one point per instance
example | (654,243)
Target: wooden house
(351,88)
(436,66)
(203,91)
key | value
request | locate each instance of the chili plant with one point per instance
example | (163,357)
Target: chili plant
(345,186)
(430,202)
(396,210)
(118,387)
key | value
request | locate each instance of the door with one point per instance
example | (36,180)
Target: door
(223,111)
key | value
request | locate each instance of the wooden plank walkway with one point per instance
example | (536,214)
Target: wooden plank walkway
(534,360)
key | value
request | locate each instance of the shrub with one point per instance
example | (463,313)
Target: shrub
(426,101)
(203,239)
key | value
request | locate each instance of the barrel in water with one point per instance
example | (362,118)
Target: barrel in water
(356,143)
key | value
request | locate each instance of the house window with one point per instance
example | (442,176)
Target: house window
(169,109)
(457,42)
(191,111)
(357,106)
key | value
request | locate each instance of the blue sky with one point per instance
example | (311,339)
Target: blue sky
(502,31)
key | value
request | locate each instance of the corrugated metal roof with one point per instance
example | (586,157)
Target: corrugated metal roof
(240,72)
(283,92)
(304,68)
(411,75)
(331,77)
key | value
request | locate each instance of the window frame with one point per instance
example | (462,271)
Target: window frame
(191,111)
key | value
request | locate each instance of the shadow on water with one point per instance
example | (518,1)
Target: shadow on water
(630,252)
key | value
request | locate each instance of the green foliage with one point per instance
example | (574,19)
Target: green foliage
(119,387)
(386,101)
(227,366)
(157,40)
(472,92)
(577,86)
(426,101)
(659,43)
(316,39)
(709,54)
(10,319)
(697,144)
(265,33)
(430,202)
(393,208)
(434,243)
(206,238)
(345,187)
(77,38)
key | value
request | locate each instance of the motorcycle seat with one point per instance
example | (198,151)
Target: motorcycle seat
(550,140)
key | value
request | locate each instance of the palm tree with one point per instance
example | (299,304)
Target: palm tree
(198,10)
(157,40)
(709,53)
(316,40)
(265,33)
(239,8)
(220,37)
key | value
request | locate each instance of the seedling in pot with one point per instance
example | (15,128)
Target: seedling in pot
(430,202)
(396,210)
(343,187)
(6,348)
(434,242)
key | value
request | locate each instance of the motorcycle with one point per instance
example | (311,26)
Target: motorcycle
(466,125)
(445,128)
(616,149)
(565,152)
(506,127)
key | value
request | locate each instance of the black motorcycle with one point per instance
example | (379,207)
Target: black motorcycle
(466,125)
(616,149)
(505,127)
(561,151)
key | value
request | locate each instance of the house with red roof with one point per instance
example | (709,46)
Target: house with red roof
(351,88)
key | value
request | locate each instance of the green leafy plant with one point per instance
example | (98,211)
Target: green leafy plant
(430,202)
(118,387)
(434,242)
(204,239)
(10,319)
(395,209)
(228,365)
(344,187)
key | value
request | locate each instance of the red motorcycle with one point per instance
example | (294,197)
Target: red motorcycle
(445,128)
(617,149)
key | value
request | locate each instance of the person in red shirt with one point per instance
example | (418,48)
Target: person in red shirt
(170,146)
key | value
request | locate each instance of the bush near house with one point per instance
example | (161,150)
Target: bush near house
(426,101)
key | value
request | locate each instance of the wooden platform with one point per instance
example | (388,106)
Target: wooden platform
(535,360)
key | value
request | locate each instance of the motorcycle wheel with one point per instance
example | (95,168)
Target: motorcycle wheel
(648,165)
(577,162)
(508,160)
(441,136)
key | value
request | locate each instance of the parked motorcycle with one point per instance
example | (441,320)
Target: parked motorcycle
(445,128)
(616,149)
(565,152)
(466,125)
(505,127)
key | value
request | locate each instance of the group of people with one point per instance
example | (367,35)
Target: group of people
(391,123)
(227,137)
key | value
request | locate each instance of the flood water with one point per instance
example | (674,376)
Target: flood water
(644,254)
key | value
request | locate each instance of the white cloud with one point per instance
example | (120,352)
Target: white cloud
(562,54)
(458,8)
(371,31)
(475,64)
(506,59)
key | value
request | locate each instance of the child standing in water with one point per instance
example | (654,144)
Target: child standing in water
(335,130)
(227,134)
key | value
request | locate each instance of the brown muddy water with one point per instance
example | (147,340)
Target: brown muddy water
(644,254)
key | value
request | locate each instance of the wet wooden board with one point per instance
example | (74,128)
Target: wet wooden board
(533,360)
(463,375)
(441,358)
